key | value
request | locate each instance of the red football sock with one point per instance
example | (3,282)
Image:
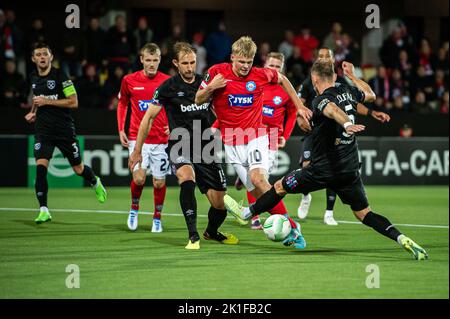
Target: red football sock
(250,198)
(280,209)
(136,192)
(159,194)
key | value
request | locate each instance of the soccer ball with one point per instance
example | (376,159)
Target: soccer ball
(277,227)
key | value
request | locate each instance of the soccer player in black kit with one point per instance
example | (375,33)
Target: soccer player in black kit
(177,96)
(335,162)
(54,95)
(307,93)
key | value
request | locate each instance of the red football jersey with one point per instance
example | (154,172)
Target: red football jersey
(277,105)
(238,105)
(138,89)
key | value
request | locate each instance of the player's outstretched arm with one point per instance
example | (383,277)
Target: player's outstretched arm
(205,92)
(302,110)
(332,111)
(349,71)
(379,116)
(144,129)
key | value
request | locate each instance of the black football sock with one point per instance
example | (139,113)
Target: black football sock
(188,205)
(266,202)
(331,199)
(382,225)
(216,217)
(88,175)
(41,185)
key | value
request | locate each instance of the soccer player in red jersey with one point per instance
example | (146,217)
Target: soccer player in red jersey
(137,90)
(236,91)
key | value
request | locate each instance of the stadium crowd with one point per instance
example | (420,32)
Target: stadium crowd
(411,78)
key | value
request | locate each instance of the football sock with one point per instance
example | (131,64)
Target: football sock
(136,192)
(331,199)
(250,198)
(159,194)
(216,217)
(41,185)
(382,225)
(267,201)
(88,175)
(291,221)
(280,209)
(188,205)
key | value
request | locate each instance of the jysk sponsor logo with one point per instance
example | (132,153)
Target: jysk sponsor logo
(251,86)
(268,111)
(242,100)
(144,104)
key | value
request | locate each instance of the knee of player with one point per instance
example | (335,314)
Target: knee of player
(258,180)
(78,169)
(361,214)
(159,183)
(139,180)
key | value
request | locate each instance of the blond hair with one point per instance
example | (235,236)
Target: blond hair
(276,55)
(151,48)
(244,47)
(183,48)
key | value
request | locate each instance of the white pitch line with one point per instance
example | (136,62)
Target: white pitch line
(63,210)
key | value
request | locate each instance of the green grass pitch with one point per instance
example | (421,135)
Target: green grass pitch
(117,263)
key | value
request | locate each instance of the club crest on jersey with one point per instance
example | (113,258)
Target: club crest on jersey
(143,105)
(268,111)
(51,84)
(306,154)
(251,86)
(242,100)
(277,100)
(37,146)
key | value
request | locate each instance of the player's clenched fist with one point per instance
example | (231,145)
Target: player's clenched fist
(218,82)
(348,68)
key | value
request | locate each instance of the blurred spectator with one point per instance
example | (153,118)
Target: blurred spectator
(71,54)
(420,104)
(422,82)
(121,46)
(348,50)
(444,103)
(261,54)
(296,76)
(399,86)
(89,89)
(441,61)
(296,61)
(112,87)
(2,26)
(404,65)
(33,36)
(286,47)
(218,45)
(11,36)
(13,87)
(382,86)
(197,43)
(440,84)
(95,43)
(397,41)
(406,131)
(142,34)
(333,39)
(398,106)
(307,44)
(426,58)
(176,36)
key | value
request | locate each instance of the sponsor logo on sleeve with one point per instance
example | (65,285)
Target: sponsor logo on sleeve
(242,100)
(322,104)
(66,83)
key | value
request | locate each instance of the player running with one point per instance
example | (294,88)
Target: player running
(192,168)
(335,163)
(136,88)
(307,93)
(236,91)
(54,95)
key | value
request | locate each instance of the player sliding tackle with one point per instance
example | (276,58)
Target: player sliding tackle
(176,96)
(236,91)
(335,163)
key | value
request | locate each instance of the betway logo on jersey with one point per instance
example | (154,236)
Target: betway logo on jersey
(268,111)
(194,107)
(242,100)
(143,105)
(50,97)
